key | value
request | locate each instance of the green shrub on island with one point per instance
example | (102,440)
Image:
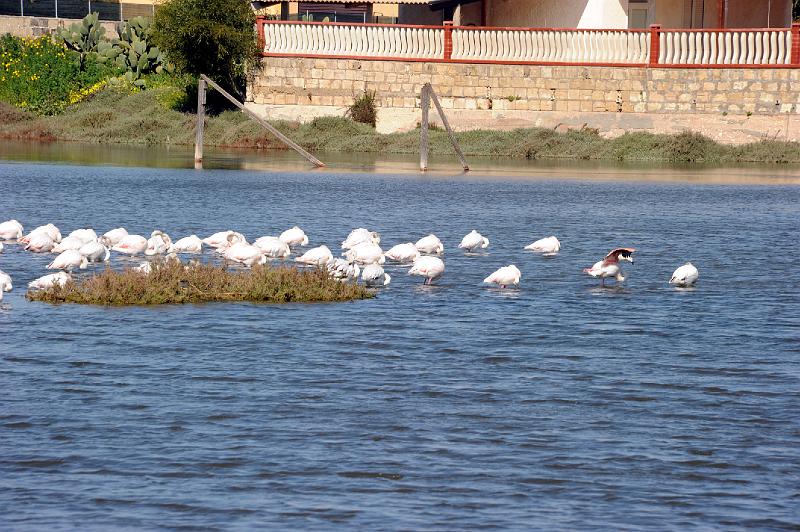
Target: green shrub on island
(171,282)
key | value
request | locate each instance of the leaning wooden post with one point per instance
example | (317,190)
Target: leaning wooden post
(425,103)
(200,127)
(450,133)
(266,125)
(655,43)
(796,43)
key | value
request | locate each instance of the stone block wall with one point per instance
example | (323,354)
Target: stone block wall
(36,26)
(503,96)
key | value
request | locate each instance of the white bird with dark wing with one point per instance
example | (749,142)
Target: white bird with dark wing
(609,266)
(505,276)
(318,256)
(473,241)
(431,268)
(360,235)
(430,244)
(403,253)
(294,237)
(273,247)
(548,246)
(68,261)
(48,281)
(343,270)
(373,275)
(684,276)
(187,244)
(11,230)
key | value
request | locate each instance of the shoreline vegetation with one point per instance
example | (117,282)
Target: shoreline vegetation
(175,283)
(117,116)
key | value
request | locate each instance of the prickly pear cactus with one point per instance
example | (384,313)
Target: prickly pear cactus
(83,39)
(136,55)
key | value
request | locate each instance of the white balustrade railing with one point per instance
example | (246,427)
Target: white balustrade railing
(357,40)
(551,46)
(518,45)
(732,47)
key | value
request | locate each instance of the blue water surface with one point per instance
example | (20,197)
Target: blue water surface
(557,405)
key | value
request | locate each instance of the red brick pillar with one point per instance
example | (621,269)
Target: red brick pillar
(655,43)
(796,44)
(260,28)
(448,40)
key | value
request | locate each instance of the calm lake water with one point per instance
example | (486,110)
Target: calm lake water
(558,405)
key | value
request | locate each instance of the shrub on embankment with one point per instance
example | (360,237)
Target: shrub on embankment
(148,117)
(174,283)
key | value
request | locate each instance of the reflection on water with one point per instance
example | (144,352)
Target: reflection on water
(440,166)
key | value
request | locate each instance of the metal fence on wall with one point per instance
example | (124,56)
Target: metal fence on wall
(75,9)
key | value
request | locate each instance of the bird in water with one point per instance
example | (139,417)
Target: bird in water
(431,268)
(359,235)
(473,241)
(11,230)
(548,246)
(68,261)
(430,244)
(273,247)
(609,266)
(187,244)
(318,256)
(5,283)
(343,270)
(94,251)
(685,275)
(113,237)
(158,244)
(365,253)
(403,253)
(507,275)
(294,237)
(131,245)
(48,281)
(373,275)
(50,230)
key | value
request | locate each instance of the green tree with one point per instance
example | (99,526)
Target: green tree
(212,37)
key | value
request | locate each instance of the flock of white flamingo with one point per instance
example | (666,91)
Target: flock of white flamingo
(362,255)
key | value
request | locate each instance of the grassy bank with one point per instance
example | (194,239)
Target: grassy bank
(146,118)
(171,283)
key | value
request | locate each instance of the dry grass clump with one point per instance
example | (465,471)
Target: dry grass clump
(172,282)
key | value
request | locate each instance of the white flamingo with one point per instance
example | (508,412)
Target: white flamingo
(548,245)
(40,243)
(357,236)
(507,275)
(113,237)
(5,283)
(365,253)
(220,240)
(50,230)
(68,261)
(244,253)
(158,244)
(69,242)
(187,244)
(430,244)
(95,252)
(474,240)
(294,237)
(343,270)
(373,275)
(685,275)
(609,266)
(84,235)
(11,230)
(131,245)
(403,253)
(48,281)
(273,247)
(431,268)
(318,256)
